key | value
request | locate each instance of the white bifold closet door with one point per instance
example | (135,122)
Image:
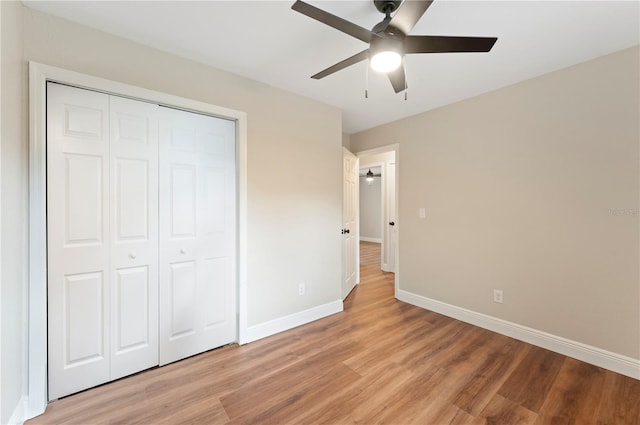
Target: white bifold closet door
(197,236)
(111,311)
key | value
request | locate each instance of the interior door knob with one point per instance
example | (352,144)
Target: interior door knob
(392,223)
(133,255)
(183,251)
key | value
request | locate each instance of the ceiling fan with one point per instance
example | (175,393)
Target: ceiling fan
(370,175)
(389,40)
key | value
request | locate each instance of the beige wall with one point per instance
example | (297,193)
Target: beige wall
(370,208)
(532,189)
(346,140)
(14,213)
(294,204)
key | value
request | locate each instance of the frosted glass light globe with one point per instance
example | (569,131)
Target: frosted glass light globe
(386,61)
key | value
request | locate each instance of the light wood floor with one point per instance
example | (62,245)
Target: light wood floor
(380,361)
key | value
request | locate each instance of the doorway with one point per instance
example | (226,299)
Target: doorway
(371,203)
(378,203)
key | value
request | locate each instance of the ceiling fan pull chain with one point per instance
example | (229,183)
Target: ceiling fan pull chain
(406,85)
(366,82)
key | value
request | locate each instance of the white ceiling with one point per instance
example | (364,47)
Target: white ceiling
(269,42)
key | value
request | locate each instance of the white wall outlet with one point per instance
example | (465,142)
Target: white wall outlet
(422,213)
(301,289)
(497,296)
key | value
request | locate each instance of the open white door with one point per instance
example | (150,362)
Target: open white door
(197,234)
(350,246)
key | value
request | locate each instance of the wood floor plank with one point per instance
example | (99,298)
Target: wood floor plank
(489,376)
(469,350)
(315,388)
(619,403)
(381,361)
(440,347)
(387,346)
(530,383)
(575,395)
(425,399)
(261,393)
(364,398)
(500,411)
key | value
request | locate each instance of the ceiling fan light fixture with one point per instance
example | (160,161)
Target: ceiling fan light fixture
(386,61)
(369,177)
(389,39)
(386,52)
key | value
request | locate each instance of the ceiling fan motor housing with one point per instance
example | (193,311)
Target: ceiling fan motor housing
(390,42)
(387,6)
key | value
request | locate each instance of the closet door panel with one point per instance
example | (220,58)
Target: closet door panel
(132,319)
(182,200)
(134,235)
(197,234)
(183,297)
(218,227)
(78,239)
(83,300)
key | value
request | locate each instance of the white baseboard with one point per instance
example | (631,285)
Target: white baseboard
(368,239)
(19,413)
(385,268)
(291,321)
(596,356)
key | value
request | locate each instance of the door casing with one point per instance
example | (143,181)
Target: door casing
(383,149)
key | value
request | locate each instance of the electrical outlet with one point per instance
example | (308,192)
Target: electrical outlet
(497,296)
(301,289)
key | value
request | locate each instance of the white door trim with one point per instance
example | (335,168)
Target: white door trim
(39,74)
(391,148)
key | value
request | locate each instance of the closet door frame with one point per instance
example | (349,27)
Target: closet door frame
(39,75)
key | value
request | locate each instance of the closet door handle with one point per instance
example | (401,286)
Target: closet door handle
(183,251)
(133,255)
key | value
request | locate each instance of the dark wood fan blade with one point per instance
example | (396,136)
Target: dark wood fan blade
(333,21)
(398,79)
(343,64)
(445,44)
(409,14)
